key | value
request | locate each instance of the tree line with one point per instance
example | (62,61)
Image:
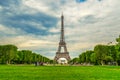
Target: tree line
(101,55)
(9,54)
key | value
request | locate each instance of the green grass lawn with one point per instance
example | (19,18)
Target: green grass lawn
(30,72)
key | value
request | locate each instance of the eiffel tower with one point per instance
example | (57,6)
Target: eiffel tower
(62,56)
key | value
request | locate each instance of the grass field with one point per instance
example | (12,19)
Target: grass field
(30,72)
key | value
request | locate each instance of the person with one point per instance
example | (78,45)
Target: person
(36,63)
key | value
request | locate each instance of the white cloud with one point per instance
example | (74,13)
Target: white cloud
(1,8)
(36,5)
(37,25)
(35,43)
(9,30)
(86,24)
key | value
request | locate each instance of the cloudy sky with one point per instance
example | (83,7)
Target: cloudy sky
(35,24)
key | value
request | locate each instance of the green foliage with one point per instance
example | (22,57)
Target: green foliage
(93,58)
(82,57)
(118,58)
(101,51)
(75,61)
(102,54)
(105,53)
(9,54)
(108,58)
(112,52)
(88,56)
(85,57)
(118,40)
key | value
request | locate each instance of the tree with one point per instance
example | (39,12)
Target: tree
(93,58)
(118,40)
(101,51)
(82,57)
(117,47)
(75,61)
(108,59)
(112,53)
(88,54)
(34,57)
(20,59)
(27,56)
(118,58)
(8,53)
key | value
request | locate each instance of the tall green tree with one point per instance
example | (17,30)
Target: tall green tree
(20,59)
(112,53)
(27,56)
(82,57)
(101,52)
(34,57)
(117,47)
(88,56)
(93,58)
(8,53)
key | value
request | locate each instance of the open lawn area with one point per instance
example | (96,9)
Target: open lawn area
(30,72)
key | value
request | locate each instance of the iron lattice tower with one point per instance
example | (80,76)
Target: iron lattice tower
(62,44)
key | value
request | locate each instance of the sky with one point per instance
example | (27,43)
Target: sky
(35,24)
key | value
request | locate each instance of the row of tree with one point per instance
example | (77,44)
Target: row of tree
(9,54)
(101,55)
